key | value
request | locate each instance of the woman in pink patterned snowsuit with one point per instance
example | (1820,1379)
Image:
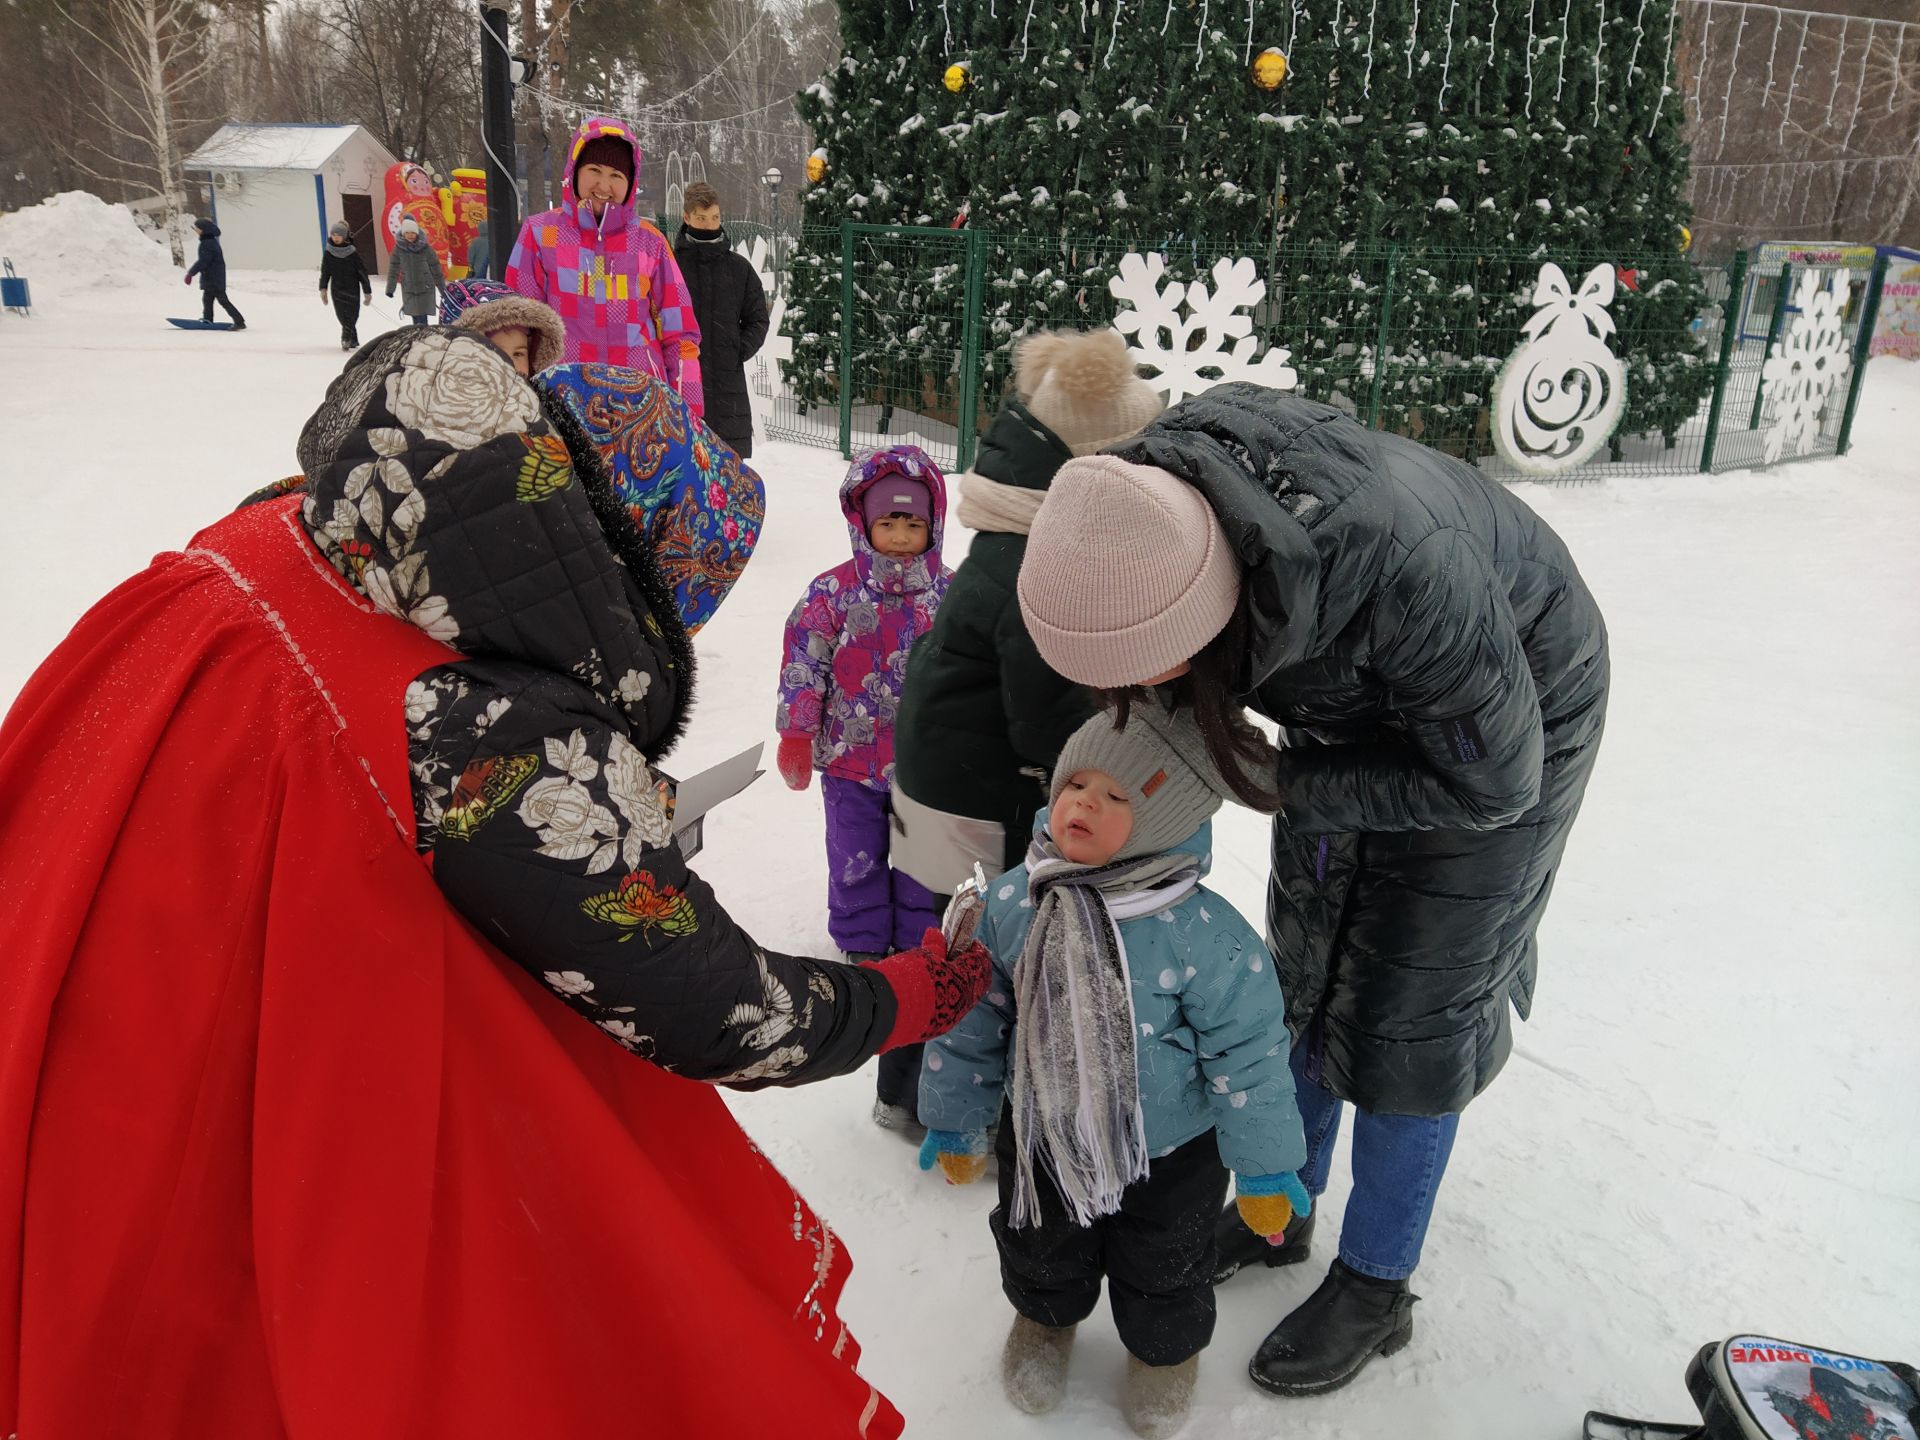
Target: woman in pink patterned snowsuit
(610,274)
(844,666)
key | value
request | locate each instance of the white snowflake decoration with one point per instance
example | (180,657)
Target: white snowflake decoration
(1561,392)
(1188,347)
(1802,374)
(768,372)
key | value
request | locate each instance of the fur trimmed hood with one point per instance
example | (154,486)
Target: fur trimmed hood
(484,306)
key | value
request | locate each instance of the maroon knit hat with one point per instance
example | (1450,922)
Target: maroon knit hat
(615,154)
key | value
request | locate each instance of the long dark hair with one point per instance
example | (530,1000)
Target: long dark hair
(1245,758)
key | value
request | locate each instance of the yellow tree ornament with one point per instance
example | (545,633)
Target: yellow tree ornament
(816,167)
(957,76)
(1686,239)
(1270,68)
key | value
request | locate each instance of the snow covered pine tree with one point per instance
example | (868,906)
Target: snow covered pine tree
(1480,137)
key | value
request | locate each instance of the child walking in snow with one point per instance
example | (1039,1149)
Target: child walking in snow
(344,274)
(1119,976)
(840,680)
(416,270)
(211,266)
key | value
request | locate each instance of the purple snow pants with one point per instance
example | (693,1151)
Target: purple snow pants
(872,909)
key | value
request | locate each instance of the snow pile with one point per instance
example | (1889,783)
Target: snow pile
(77,241)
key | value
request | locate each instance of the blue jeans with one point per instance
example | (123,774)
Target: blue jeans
(1397,1164)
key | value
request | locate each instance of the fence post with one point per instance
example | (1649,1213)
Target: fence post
(1773,338)
(1729,333)
(846,340)
(1380,339)
(1862,349)
(967,422)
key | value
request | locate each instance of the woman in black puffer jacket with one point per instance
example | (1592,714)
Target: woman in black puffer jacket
(1440,670)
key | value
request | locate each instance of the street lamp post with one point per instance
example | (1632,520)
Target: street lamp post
(771,178)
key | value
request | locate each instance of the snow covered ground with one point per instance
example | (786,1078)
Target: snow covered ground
(1709,1125)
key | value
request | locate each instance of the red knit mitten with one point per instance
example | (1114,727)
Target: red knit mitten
(795,761)
(934,990)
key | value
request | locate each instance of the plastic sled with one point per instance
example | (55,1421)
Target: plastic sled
(200,324)
(14,294)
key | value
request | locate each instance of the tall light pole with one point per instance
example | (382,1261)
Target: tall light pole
(771,178)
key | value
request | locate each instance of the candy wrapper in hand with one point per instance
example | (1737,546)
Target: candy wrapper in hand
(964,911)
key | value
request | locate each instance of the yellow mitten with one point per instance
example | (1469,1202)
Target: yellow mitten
(963,1169)
(961,1154)
(1264,1214)
(1268,1202)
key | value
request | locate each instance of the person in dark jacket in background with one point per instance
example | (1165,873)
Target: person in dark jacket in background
(211,266)
(983,717)
(343,274)
(730,305)
(1441,670)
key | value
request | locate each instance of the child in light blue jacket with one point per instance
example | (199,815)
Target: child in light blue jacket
(1134,1050)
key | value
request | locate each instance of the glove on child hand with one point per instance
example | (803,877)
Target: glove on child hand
(186,279)
(962,1154)
(932,988)
(795,761)
(1268,1202)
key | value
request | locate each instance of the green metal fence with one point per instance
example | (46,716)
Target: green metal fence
(1409,341)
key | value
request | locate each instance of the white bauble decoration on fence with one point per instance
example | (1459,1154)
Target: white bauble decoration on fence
(1203,342)
(1801,375)
(1561,393)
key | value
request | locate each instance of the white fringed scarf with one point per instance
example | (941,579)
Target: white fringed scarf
(1076,1080)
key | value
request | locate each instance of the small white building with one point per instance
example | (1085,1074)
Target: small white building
(276,189)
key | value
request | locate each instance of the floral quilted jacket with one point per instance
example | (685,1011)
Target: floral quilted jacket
(443,490)
(845,658)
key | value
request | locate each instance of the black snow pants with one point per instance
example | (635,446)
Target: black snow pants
(347,307)
(1157,1252)
(207,297)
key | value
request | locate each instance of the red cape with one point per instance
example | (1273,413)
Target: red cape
(286,1148)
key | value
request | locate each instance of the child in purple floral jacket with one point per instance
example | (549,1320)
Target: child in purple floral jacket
(841,675)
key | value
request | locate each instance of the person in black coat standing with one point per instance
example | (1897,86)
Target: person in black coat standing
(211,266)
(731,308)
(1440,670)
(344,274)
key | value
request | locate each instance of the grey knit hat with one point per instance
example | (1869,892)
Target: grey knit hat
(1161,760)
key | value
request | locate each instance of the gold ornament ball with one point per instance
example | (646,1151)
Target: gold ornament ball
(1686,239)
(957,76)
(1269,68)
(816,169)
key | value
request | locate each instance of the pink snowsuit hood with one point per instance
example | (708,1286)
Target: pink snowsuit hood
(844,657)
(618,217)
(883,572)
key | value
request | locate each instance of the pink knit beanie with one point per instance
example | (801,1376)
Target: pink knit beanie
(1127,573)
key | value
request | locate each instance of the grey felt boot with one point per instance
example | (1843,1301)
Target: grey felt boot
(1033,1367)
(1158,1397)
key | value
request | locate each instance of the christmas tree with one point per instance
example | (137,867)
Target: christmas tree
(1403,182)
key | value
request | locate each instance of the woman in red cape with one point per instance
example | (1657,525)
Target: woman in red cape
(348,961)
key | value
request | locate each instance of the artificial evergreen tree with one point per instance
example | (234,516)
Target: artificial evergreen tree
(1477,138)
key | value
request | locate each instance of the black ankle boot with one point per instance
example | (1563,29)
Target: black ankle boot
(1326,1341)
(1239,1247)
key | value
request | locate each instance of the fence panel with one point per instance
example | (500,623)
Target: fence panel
(1406,341)
(1754,406)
